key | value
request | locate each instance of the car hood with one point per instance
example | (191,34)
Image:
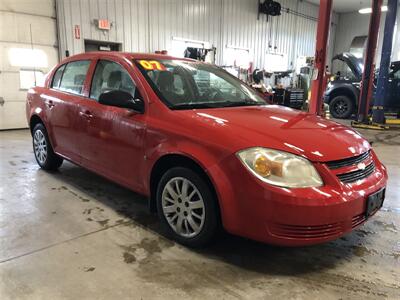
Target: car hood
(279,128)
(355,64)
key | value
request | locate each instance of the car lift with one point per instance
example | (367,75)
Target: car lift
(367,81)
(318,84)
(378,120)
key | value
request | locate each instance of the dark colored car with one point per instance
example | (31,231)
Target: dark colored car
(343,92)
(205,149)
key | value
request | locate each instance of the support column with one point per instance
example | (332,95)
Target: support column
(318,84)
(368,74)
(378,115)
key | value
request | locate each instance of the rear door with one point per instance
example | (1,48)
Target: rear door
(62,99)
(112,138)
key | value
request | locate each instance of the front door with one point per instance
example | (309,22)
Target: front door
(112,139)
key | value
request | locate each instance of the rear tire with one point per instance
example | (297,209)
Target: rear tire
(44,153)
(341,107)
(187,207)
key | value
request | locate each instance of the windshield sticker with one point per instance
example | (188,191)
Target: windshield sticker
(152,65)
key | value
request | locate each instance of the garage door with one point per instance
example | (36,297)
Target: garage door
(28,50)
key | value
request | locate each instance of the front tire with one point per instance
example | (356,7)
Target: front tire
(187,207)
(44,153)
(341,107)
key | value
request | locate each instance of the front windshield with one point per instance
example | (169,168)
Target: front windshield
(186,85)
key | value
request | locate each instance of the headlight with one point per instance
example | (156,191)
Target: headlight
(280,168)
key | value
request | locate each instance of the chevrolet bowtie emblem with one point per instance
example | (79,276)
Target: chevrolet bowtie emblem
(361,166)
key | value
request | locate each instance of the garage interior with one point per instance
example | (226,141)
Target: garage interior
(72,234)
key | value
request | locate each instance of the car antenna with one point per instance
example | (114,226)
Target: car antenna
(34,68)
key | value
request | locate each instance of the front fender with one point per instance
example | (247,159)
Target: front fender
(341,88)
(208,158)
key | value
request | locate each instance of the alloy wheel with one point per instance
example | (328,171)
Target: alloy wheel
(40,146)
(341,107)
(183,207)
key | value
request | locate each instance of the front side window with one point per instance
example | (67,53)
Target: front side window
(74,76)
(110,76)
(185,85)
(57,77)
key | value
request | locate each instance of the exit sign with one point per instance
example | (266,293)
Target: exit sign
(104,24)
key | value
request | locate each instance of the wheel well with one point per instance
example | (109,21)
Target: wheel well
(343,92)
(35,119)
(167,162)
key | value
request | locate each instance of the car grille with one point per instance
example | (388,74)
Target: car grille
(353,176)
(336,164)
(306,232)
(357,175)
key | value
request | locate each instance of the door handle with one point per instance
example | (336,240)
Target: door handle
(86,114)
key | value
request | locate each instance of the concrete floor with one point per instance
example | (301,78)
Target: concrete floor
(74,235)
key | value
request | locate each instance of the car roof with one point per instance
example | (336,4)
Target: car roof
(127,55)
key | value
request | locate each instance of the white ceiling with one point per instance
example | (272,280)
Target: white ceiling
(343,6)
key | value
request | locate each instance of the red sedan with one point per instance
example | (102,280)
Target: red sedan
(205,149)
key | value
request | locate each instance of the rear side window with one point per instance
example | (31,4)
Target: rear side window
(74,76)
(57,77)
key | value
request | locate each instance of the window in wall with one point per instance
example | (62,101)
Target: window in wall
(237,57)
(30,78)
(74,76)
(29,58)
(110,76)
(275,62)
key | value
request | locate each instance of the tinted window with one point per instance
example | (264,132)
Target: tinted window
(74,76)
(57,77)
(110,76)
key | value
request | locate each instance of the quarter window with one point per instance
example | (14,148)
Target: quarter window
(74,76)
(110,76)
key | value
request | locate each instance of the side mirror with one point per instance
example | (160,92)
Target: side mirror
(122,99)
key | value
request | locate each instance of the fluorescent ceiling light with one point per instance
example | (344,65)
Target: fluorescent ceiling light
(368,10)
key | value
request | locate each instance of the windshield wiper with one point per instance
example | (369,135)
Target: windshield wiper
(219,104)
(246,102)
(191,105)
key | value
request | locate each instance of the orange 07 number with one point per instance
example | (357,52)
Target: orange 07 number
(151,65)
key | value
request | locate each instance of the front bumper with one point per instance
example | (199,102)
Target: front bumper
(296,217)
(296,225)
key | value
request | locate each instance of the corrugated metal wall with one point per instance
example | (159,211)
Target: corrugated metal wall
(149,25)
